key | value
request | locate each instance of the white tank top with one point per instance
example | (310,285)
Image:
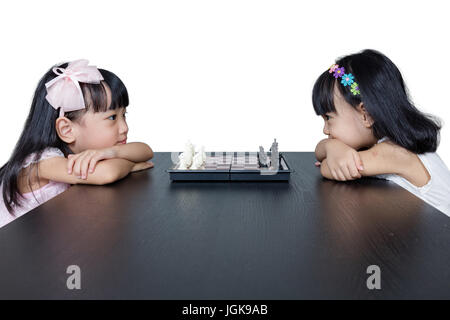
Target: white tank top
(437,191)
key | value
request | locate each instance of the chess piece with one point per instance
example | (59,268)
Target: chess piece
(185,158)
(201,150)
(182,163)
(189,152)
(274,156)
(262,157)
(197,161)
(189,159)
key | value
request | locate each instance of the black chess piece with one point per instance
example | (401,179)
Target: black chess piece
(262,157)
(274,155)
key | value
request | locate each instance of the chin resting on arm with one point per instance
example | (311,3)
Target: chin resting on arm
(134,151)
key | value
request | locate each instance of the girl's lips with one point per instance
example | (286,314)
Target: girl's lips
(123,141)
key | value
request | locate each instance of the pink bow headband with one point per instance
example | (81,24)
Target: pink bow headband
(64,91)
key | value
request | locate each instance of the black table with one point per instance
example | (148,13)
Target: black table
(144,237)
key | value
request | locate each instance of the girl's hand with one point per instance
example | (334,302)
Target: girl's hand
(343,161)
(85,161)
(142,166)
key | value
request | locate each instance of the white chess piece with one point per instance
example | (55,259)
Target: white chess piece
(188,153)
(182,164)
(189,148)
(201,150)
(203,153)
(197,161)
(191,160)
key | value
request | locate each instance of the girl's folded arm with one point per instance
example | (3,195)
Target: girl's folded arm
(320,151)
(383,158)
(388,158)
(134,151)
(325,170)
(106,171)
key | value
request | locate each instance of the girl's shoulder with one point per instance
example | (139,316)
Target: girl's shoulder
(47,153)
(430,161)
(28,179)
(435,165)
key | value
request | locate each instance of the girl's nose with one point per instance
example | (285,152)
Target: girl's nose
(325,129)
(123,127)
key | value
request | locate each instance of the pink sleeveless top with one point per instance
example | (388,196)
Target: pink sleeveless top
(50,190)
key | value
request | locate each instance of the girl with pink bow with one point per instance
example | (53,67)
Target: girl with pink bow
(76,132)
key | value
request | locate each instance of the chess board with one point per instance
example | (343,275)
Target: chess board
(222,166)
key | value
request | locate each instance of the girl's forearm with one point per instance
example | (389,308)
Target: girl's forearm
(121,168)
(321,151)
(325,170)
(134,151)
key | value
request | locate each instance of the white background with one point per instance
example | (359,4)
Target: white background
(229,75)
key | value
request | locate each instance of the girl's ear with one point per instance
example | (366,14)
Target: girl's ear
(65,129)
(365,116)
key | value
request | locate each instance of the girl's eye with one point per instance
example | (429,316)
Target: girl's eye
(327,117)
(114,116)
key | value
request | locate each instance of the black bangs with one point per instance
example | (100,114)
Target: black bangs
(96,96)
(323,94)
(119,93)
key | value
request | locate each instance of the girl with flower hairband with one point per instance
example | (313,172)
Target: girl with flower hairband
(373,129)
(75,133)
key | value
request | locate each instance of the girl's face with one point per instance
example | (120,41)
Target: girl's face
(101,129)
(353,126)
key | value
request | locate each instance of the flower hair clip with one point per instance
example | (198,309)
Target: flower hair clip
(347,79)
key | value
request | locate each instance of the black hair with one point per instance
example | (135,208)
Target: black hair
(39,130)
(384,96)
